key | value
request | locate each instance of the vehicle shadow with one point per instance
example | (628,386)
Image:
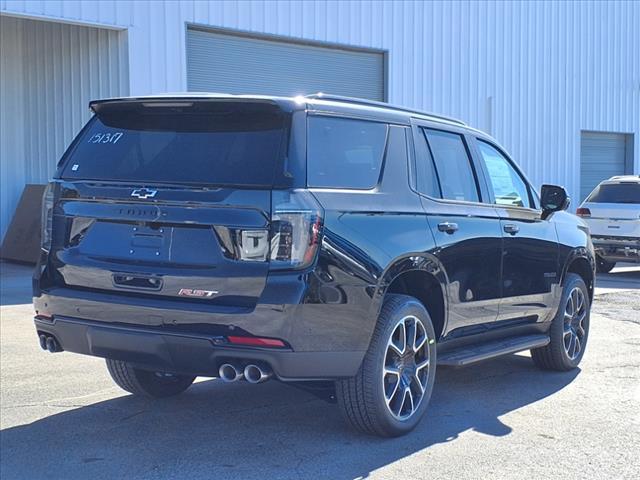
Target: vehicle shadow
(259,431)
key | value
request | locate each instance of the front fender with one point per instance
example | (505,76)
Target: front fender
(584,256)
(574,242)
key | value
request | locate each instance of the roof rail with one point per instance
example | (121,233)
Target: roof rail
(625,177)
(374,103)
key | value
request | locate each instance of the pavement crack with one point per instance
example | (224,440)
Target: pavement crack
(617,319)
(128,417)
(624,365)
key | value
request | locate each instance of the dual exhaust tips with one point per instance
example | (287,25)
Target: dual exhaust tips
(252,373)
(49,342)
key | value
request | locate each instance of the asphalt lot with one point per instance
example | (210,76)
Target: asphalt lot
(62,417)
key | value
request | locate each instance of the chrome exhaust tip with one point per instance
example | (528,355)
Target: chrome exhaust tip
(257,374)
(230,373)
(52,345)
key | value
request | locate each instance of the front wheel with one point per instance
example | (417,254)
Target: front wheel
(569,329)
(389,394)
(147,383)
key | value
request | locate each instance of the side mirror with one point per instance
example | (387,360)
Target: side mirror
(553,199)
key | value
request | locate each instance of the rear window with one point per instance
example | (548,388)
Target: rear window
(344,153)
(616,193)
(192,143)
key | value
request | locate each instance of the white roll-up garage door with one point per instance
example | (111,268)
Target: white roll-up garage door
(602,156)
(220,62)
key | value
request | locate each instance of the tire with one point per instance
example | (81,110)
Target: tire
(363,399)
(561,354)
(602,266)
(147,383)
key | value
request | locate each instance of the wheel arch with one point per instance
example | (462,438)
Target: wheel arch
(421,276)
(581,263)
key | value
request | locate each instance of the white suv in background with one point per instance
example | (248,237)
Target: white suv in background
(612,212)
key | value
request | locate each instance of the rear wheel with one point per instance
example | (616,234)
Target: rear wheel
(147,383)
(389,394)
(569,329)
(602,266)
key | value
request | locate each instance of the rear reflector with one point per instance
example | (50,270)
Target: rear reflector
(583,212)
(257,342)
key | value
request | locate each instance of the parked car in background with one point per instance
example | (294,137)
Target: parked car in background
(304,239)
(612,212)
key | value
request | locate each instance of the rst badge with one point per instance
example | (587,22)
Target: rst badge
(193,292)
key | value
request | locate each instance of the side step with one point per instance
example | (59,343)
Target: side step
(468,354)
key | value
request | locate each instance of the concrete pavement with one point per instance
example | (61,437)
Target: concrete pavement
(62,417)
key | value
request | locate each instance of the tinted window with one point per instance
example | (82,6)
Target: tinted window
(344,153)
(426,176)
(218,145)
(455,173)
(616,193)
(508,186)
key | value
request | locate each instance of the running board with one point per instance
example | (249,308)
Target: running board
(469,354)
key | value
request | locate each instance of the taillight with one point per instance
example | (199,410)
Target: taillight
(253,245)
(47,218)
(296,227)
(583,212)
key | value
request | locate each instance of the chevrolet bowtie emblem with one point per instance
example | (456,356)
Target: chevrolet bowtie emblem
(144,193)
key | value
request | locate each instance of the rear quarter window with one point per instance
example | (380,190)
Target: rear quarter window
(344,153)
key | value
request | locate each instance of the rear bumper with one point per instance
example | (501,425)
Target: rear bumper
(175,351)
(617,249)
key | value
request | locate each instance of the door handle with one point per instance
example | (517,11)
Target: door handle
(448,227)
(511,228)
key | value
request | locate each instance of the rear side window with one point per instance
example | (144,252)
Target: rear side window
(616,193)
(457,179)
(344,153)
(221,144)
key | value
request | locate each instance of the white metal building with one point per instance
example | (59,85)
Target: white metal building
(558,84)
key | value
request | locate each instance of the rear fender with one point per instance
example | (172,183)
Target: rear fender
(411,262)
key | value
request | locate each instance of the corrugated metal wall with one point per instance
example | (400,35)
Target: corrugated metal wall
(11,125)
(219,62)
(532,73)
(49,73)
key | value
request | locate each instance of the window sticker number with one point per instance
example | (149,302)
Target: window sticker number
(106,137)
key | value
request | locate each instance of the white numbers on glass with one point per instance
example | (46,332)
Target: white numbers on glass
(106,137)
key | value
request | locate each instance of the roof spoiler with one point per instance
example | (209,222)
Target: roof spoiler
(180,101)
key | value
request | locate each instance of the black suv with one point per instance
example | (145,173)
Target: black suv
(308,239)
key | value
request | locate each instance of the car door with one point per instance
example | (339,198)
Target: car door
(530,268)
(466,231)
